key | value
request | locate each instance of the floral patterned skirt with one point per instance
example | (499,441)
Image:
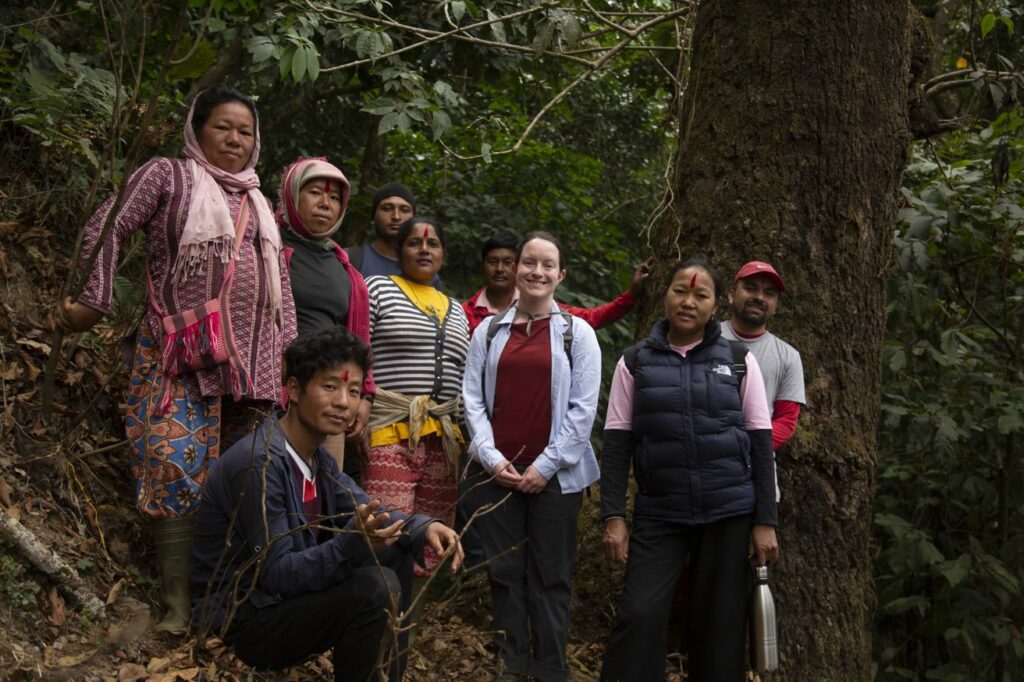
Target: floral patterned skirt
(172,453)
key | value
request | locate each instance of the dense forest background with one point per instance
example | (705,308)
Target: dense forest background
(518,116)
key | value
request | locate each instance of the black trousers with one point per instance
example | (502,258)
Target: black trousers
(350,618)
(720,580)
(530,545)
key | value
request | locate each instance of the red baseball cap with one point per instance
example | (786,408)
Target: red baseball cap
(756,267)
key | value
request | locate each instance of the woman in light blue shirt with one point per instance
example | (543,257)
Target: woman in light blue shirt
(532,379)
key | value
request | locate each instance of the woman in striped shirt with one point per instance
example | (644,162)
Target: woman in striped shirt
(419,338)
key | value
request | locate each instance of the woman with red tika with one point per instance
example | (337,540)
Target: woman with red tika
(328,291)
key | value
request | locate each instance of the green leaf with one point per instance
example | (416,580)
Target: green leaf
(441,123)
(898,360)
(956,570)
(380,106)
(497,28)
(458,10)
(261,48)
(904,604)
(286,61)
(388,122)
(1008,23)
(299,64)
(1010,422)
(988,22)
(312,63)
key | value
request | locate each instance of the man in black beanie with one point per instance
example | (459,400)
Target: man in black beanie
(393,204)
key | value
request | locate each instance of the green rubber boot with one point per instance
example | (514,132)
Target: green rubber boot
(173,539)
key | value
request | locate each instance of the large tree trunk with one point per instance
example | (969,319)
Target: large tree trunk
(794,136)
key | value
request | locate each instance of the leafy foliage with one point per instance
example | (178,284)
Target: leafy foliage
(950,502)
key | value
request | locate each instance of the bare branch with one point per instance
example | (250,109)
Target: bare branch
(199,37)
(630,37)
(431,36)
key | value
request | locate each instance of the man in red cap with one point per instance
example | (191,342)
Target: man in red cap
(754,299)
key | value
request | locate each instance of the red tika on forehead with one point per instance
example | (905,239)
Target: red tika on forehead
(344,375)
(426,231)
(327,186)
(693,280)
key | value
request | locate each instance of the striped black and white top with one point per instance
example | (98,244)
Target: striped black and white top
(409,346)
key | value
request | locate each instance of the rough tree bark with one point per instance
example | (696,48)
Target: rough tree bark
(794,136)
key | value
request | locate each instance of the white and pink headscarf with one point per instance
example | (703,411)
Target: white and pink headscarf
(297,175)
(209,230)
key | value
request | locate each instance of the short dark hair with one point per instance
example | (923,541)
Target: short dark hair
(406,228)
(324,349)
(546,236)
(502,240)
(211,98)
(698,262)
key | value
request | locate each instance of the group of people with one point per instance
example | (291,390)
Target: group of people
(306,420)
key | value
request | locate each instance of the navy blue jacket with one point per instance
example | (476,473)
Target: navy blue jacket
(693,459)
(241,544)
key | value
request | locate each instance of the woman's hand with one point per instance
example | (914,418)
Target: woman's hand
(444,541)
(75,317)
(763,544)
(506,475)
(616,540)
(362,418)
(531,481)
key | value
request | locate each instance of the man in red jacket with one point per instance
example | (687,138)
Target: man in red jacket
(498,257)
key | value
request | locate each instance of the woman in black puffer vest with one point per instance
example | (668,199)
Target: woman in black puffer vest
(691,415)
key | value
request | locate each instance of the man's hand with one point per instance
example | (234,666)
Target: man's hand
(640,275)
(445,541)
(374,526)
(763,544)
(75,317)
(616,540)
(506,475)
(531,481)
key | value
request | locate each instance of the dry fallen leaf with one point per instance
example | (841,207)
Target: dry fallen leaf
(158,665)
(187,674)
(5,493)
(57,615)
(31,343)
(131,672)
(115,590)
(72,661)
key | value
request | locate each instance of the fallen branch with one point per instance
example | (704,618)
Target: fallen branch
(50,563)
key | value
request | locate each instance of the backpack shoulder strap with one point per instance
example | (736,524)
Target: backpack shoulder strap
(567,338)
(492,331)
(355,256)
(739,360)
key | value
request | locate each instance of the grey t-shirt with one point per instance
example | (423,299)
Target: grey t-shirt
(782,371)
(780,365)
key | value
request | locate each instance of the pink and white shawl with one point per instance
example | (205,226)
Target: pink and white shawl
(209,230)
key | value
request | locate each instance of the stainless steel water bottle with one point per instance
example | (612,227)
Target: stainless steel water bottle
(763,639)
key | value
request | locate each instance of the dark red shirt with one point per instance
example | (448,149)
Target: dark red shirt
(522,394)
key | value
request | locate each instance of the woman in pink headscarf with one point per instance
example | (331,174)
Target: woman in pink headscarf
(328,290)
(207,359)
